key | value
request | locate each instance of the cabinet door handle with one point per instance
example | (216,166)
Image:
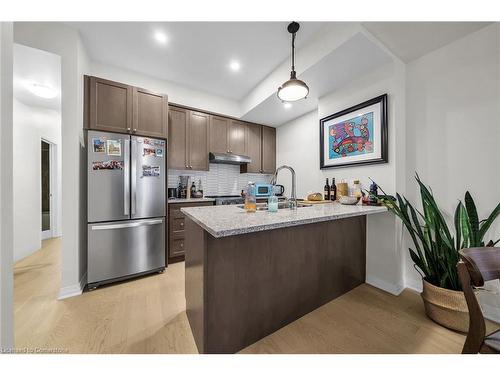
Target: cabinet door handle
(128,129)
(182,224)
(182,245)
(135,130)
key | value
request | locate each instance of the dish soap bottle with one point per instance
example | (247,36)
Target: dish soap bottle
(250,199)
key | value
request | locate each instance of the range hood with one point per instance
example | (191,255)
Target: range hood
(221,158)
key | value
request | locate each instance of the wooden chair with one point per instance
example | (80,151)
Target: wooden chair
(476,266)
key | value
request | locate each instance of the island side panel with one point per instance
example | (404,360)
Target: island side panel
(195,261)
(259,282)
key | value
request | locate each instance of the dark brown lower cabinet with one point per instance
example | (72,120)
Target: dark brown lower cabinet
(176,223)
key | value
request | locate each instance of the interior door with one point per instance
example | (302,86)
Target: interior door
(108,180)
(46,189)
(148,169)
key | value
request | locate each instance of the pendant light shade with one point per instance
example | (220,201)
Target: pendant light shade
(294,89)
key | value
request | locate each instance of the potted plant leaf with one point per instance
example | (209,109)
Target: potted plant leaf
(435,252)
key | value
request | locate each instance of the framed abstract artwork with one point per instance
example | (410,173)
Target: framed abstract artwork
(355,136)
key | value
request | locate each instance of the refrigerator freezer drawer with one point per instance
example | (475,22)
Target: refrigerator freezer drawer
(125,248)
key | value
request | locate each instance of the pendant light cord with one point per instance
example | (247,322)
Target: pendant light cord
(293,53)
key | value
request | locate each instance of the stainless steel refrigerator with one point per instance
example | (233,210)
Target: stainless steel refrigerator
(126,189)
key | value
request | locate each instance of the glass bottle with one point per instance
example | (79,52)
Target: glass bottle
(272,203)
(356,189)
(250,199)
(333,190)
(193,190)
(200,188)
(326,189)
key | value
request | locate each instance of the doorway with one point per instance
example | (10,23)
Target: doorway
(47,173)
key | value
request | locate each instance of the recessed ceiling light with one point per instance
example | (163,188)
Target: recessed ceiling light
(42,91)
(161,37)
(235,66)
(287,105)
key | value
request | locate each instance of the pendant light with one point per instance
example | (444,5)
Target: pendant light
(294,89)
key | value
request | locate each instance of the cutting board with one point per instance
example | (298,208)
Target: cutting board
(314,202)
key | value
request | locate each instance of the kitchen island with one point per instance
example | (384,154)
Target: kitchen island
(249,274)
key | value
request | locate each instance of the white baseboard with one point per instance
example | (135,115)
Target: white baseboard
(384,285)
(415,285)
(73,290)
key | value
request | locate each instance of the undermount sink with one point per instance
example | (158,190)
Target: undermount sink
(281,206)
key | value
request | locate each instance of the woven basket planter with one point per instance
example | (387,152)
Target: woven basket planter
(446,307)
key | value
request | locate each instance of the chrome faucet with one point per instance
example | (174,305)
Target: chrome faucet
(292,202)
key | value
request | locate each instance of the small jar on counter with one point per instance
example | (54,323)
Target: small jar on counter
(272,203)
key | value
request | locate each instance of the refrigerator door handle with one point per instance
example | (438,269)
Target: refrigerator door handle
(127,225)
(134,174)
(126,178)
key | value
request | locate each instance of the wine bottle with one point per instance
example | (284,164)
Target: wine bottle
(333,191)
(327,191)
(193,190)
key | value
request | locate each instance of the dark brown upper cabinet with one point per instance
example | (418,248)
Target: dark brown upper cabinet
(188,139)
(150,113)
(109,105)
(219,127)
(237,138)
(117,107)
(254,149)
(177,138)
(198,141)
(268,149)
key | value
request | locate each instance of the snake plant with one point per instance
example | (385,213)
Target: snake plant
(435,251)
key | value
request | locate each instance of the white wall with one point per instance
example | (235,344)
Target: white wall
(65,41)
(6,188)
(31,125)
(176,93)
(298,146)
(453,130)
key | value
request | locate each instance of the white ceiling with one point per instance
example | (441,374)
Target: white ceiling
(332,72)
(411,40)
(32,65)
(197,54)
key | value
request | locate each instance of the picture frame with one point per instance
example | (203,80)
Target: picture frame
(355,136)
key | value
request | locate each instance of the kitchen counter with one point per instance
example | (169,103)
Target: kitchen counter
(190,200)
(249,274)
(223,221)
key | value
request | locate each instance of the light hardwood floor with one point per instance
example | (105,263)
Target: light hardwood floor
(147,315)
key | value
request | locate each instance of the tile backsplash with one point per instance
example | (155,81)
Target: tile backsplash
(221,179)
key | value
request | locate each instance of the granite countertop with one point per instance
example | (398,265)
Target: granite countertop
(223,221)
(190,200)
